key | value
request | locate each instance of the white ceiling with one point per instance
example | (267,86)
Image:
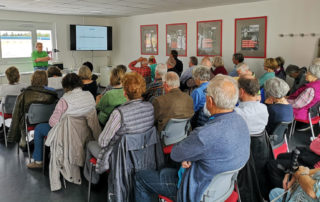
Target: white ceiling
(110,7)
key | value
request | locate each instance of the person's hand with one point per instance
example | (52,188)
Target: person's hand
(36,60)
(285,184)
(98,98)
(186,164)
(269,101)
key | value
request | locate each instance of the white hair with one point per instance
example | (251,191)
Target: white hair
(276,88)
(223,96)
(201,73)
(242,67)
(161,69)
(315,70)
(316,61)
(172,79)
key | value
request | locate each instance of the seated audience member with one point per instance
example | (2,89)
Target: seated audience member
(171,63)
(152,64)
(256,116)
(307,190)
(201,76)
(252,111)
(307,95)
(217,67)
(279,72)
(299,76)
(73,99)
(112,98)
(54,77)
(174,104)
(278,107)
(88,84)
(134,116)
(36,93)
(316,61)
(236,59)
(178,67)
(193,61)
(155,88)
(143,70)
(109,87)
(244,70)
(14,87)
(206,62)
(270,64)
(195,152)
(90,66)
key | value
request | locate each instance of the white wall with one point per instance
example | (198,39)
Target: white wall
(62,22)
(284,16)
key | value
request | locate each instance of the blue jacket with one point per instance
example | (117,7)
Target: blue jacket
(222,144)
(199,96)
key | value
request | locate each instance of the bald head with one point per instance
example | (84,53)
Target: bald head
(224,92)
(206,62)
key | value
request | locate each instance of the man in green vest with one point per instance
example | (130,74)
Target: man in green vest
(40,58)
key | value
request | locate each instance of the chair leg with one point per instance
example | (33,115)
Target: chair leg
(64,183)
(312,132)
(293,127)
(28,147)
(5,132)
(89,186)
(43,157)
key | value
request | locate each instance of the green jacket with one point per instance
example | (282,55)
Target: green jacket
(25,99)
(108,102)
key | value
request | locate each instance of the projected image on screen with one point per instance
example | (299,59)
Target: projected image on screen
(91,38)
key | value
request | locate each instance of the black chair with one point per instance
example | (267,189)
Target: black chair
(278,139)
(37,113)
(7,110)
(60,92)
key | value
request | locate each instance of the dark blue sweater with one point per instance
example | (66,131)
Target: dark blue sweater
(222,144)
(278,113)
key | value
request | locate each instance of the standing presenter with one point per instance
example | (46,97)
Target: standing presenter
(40,58)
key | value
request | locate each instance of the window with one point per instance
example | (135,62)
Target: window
(16,44)
(45,37)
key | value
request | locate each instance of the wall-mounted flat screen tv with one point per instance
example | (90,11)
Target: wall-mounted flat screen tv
(90,38)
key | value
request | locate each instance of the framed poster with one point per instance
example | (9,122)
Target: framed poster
(149,39)
(209,38)
(251,37)
(176,38)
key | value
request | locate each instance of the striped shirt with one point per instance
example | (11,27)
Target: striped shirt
(111,128)
(303,99)
(60,109)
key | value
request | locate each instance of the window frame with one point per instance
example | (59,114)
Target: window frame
(8,25)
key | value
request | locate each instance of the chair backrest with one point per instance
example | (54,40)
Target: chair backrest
(40,113)
(220,187)
(315,110)
(9,103)
(278,139)
(278,135)
(60,92)
(175,131)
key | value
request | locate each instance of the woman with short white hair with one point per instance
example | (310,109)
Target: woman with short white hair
(307,95)
(278,107)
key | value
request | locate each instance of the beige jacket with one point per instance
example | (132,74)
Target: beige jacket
(67,140)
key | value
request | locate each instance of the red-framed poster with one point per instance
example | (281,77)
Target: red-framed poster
(176,38)
(209,38)
(149,39)
(251,37)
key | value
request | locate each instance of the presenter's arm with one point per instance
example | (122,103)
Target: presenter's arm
(43,59)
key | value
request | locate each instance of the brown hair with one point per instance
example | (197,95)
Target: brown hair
(134,85)
(54,71)
(71,81)
(39,78)
(116,76)
(271,63)
(85,73)
(13,75)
